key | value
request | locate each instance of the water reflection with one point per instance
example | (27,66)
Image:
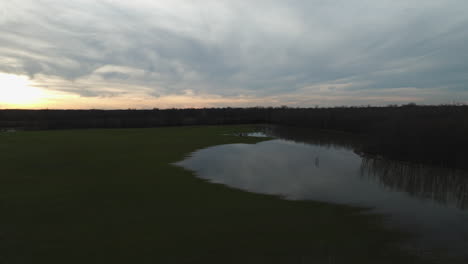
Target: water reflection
(446,186)
(314,137)
(431,201)
(449,187)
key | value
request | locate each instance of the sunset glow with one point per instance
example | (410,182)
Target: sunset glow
(18,91)
(231,54)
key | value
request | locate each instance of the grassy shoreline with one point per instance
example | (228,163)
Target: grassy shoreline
(113,196)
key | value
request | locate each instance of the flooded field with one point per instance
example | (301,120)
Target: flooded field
(430,202)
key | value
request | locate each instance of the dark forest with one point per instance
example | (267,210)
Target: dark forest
(426,134)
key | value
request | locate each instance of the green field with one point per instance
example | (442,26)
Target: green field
(112,196)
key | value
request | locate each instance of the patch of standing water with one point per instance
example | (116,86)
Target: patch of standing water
(251,134)
(9,130)
(432,202)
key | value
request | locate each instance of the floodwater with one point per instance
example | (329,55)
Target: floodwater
(428,201)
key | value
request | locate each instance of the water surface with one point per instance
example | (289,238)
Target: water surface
(432,202)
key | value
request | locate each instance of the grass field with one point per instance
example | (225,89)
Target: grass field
(112,196)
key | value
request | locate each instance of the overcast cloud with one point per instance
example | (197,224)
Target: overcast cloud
(300,53)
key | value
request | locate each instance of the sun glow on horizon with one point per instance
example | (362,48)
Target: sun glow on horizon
(19,91)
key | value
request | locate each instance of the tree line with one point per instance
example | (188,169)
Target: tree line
(436,134)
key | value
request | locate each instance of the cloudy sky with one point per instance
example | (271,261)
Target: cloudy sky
(181,53)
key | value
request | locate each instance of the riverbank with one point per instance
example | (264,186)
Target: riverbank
(112,196)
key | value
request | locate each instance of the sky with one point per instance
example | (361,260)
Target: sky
(123,54)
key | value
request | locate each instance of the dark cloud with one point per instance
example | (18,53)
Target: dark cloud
(228,48)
